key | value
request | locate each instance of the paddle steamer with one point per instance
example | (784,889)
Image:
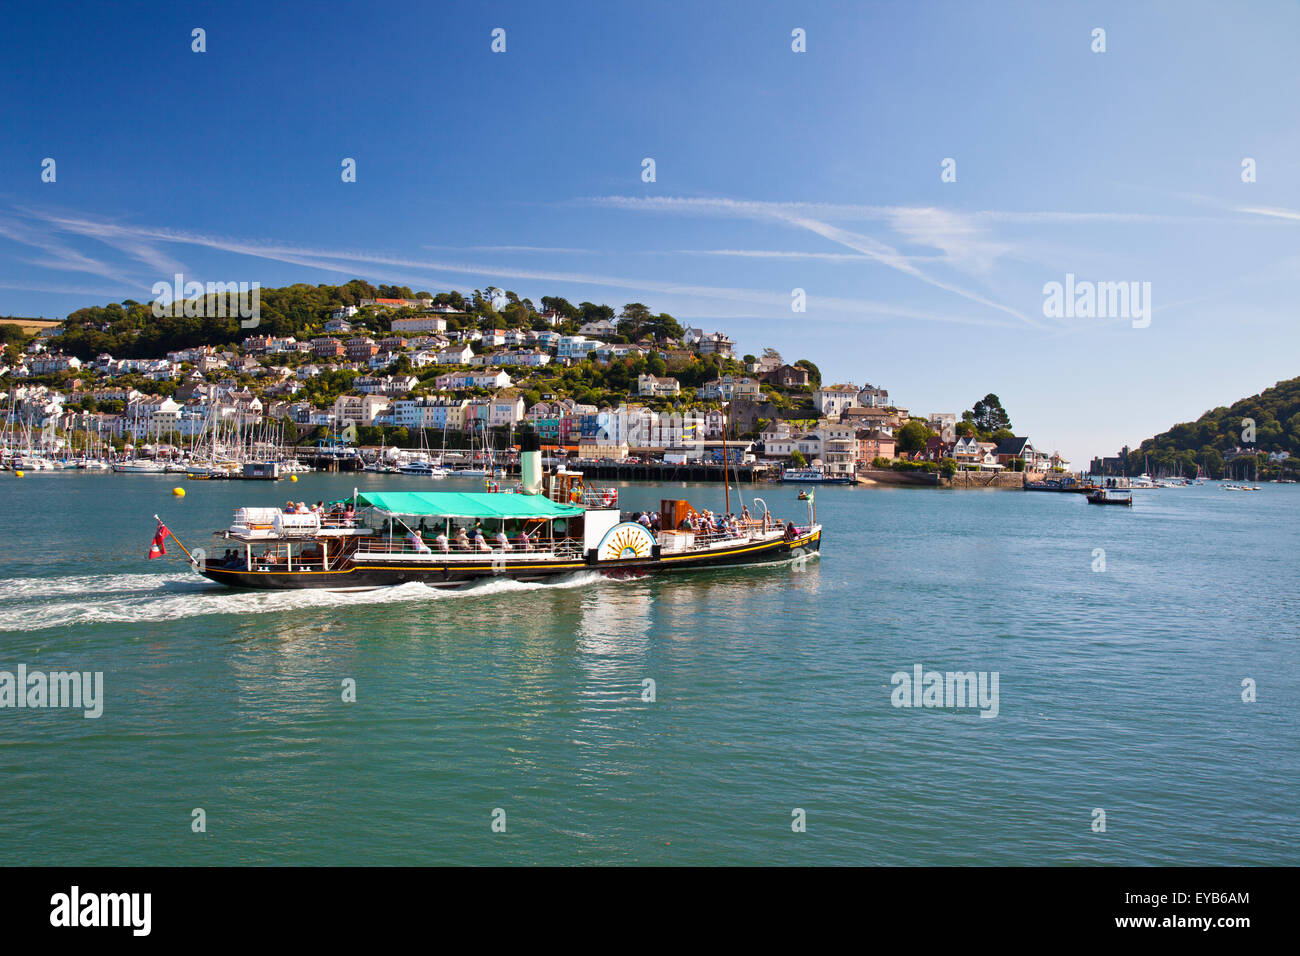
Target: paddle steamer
(550,526)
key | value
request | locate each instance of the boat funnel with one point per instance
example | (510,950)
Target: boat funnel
(530,462)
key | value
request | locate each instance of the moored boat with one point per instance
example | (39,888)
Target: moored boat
(1103,497)
(815,475)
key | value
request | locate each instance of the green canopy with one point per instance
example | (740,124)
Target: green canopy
(455,504)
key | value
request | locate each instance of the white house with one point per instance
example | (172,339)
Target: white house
(599,327)
(454,355)
(420,323)
(653,385)
(832,400)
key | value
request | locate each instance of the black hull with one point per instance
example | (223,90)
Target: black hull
(518,567)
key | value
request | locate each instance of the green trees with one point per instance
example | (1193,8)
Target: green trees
(590,312)
(797,459)
(986,421)
(912,436)
(988,415)
(1263,423)
(554,303)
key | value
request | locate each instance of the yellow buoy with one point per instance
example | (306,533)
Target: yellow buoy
(178,492)
(293,477)
(19,474)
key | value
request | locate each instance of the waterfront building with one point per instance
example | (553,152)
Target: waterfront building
(872,443)
(359,409)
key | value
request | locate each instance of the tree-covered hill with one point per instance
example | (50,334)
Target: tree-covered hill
(129,329)
(1225,433)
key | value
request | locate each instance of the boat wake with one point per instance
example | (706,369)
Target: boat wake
(26,605)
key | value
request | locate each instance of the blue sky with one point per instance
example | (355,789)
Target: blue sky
(775,170)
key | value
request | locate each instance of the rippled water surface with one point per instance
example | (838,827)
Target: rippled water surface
(1119,690)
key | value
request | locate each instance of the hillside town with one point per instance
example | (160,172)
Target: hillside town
(425,372)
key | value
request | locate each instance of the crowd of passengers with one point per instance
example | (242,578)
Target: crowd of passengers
(705,523)
(514,536)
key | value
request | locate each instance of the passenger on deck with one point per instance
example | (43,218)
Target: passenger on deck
(417,543)
(655,523)
(502,541)
(644,519)
(461,539)
(790,533)
(525,541)
(290,507)
(441,542)
(479,543)
(744,513)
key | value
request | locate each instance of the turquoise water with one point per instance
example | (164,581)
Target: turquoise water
(1118,689)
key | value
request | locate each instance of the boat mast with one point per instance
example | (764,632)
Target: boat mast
(726,483)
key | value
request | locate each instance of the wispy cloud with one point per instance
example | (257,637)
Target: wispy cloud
(962,242)
(1271,211)
(756,304)
(557,250)
(58,255)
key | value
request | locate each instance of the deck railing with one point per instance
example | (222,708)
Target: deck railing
(380,545)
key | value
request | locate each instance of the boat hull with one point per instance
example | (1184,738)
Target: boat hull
(517,567)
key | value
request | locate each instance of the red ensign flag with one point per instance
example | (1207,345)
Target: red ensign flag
(157,549)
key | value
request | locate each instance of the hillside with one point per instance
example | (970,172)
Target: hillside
(130,330)
(1220,432)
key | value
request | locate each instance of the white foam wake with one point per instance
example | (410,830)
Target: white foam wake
(90,585)
(207,598)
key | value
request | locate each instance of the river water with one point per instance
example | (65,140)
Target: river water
(1120,638)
